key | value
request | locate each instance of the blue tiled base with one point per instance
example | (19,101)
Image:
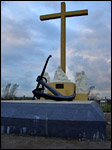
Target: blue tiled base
(70,119)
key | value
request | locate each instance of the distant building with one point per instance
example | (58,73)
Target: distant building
(103,102)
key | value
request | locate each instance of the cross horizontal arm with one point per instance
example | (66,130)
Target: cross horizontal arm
(76,13)
(50,16)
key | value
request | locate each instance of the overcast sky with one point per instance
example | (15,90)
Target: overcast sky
(26,42)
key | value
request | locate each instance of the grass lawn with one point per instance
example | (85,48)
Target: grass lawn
(106,108)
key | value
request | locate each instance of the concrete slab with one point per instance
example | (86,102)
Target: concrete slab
(76,119)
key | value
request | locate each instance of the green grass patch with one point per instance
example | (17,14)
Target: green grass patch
(106,108)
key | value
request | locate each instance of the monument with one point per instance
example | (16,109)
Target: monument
(73,119)
(68,87)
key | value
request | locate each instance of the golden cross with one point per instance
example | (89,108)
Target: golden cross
(63,14)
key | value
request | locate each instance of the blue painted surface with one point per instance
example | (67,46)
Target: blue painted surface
(69,120)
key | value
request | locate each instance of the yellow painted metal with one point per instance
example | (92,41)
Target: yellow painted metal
(63,37)
(50,16)
(81,96)
(76,13)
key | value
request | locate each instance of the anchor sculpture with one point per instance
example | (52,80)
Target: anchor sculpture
(39,92)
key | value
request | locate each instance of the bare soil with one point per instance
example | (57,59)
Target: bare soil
(37,142)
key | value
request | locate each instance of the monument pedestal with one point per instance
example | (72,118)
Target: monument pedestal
(75,119)
(65,88)
(62,84)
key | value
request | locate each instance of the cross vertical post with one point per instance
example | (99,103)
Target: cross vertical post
(63,37)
